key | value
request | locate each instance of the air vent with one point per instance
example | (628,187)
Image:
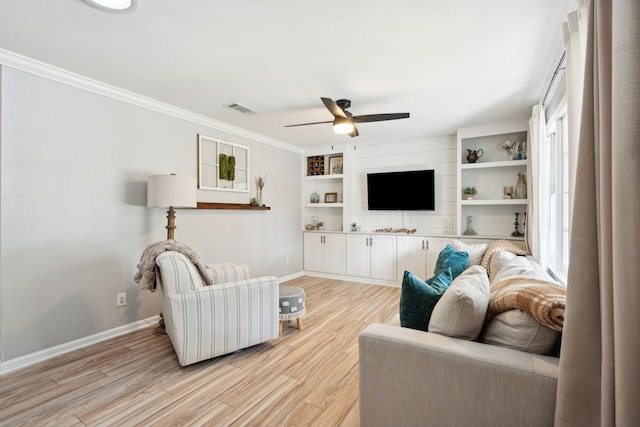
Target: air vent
(240,108)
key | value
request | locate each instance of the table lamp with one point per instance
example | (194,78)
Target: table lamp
(171,191)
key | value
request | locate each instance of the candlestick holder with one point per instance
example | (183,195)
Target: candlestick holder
(516,232)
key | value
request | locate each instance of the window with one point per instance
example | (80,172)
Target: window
(558,195)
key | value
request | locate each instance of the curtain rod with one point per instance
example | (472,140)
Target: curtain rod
(559,68)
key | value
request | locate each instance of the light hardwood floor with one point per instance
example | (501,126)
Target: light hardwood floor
(307,377)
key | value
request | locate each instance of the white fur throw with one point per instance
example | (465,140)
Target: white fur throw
(146,275)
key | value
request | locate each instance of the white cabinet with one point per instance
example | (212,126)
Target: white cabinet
(418,255)
(371,255)
(491,215)
(324,252)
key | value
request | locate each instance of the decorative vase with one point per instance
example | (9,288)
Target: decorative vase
(521,187)
(474,155)
(470,231)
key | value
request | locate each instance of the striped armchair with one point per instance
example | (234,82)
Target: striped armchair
(207,321)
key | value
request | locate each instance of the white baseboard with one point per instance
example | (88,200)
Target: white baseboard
(48,353)
(366,280)
(291,276)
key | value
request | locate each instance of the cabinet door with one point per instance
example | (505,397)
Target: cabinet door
(435,247)
(334,253)
(313,252)
(412,256)
(383,257)
(358,258)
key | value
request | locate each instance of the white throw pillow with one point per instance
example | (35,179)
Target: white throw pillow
(518,266)
(461,310)
(475,251)
(516,329)
(499,260)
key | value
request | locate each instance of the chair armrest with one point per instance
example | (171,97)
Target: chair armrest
(228,272)
(410,377)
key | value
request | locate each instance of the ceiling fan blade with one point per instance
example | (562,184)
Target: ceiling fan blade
(333,107)
(380,117)
(306,124)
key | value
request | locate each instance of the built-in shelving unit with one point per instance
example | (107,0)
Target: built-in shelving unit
(323,175)
(492,215)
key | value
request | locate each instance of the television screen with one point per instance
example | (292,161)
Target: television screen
(403,191)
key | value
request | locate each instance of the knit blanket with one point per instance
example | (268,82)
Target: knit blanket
(146,275)
(544,301)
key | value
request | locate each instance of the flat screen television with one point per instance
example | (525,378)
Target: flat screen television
(401,191)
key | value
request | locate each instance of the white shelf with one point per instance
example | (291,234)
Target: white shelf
(322,177)
(506,163)
(490,237)
(323,205)
(493,202)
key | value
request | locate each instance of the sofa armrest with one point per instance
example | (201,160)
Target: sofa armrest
(410,377)
(219,319)
(228,272)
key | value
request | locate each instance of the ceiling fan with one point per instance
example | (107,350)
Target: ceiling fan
(344,122)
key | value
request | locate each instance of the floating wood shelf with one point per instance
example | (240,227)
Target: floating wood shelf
(242,206)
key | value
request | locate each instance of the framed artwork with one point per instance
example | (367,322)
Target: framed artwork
(335,165)
(222,165)
(330,197)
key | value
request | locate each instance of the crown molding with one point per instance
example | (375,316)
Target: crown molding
(30,65)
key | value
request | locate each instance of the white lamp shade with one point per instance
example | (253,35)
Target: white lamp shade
(164,191)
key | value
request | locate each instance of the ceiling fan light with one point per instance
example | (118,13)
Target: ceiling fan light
(342,126)
(114,5)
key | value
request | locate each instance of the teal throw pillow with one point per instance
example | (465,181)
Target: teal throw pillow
(449,258)
(418,298)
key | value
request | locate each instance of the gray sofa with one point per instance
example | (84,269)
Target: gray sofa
(409,377)
(416,378)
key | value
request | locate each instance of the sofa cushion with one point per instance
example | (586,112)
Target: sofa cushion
(475,251)
(418,298)
(516,266)
(498,260)
(516,329)
(448,258)
(462,309)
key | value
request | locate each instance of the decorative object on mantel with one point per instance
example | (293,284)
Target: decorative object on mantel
(171,191)
(470,231)
(521,187)
(474,155)
(396,230)
(222,165)
(508,192)
(315,197)
(470,192)
(516,232)
(260,181)
(354,226)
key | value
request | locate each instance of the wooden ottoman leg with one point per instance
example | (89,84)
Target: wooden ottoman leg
(300,325)
(280,328)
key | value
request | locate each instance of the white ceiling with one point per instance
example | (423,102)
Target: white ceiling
(451,64)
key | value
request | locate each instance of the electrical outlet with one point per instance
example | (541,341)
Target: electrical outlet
(121,299)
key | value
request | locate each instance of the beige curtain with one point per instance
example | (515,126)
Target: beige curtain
(599,381)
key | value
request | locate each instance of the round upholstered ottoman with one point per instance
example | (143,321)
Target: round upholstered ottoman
(291,305)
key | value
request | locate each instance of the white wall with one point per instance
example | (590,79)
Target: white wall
(431,153)
(73,169)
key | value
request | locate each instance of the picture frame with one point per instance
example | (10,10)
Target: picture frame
(335,165)
(331,197)
(222,165)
